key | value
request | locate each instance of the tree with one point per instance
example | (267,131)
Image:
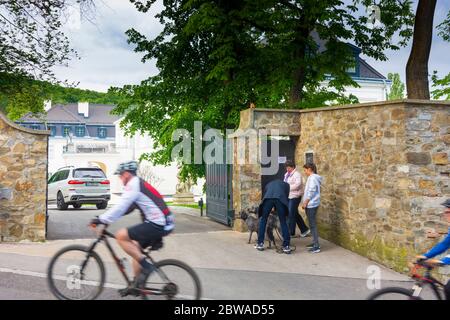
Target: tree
(31,43)
(417,66)
(397,87)
(217,57)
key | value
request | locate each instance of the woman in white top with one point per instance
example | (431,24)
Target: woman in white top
(294,179)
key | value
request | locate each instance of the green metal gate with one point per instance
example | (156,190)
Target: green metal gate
(219,205)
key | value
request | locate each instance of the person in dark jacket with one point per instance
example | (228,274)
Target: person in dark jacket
(276,195)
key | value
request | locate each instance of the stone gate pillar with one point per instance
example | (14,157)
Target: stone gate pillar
(247,141)
(23,182)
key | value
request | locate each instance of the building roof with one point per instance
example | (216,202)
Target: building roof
(99,114)
(20,128)
(367,71)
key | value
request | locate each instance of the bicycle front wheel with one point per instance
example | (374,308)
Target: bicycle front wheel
(393,293)
(74,273)
(173,279)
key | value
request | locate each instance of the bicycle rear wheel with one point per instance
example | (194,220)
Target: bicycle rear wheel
(76,274)
(173,279)
(393,293)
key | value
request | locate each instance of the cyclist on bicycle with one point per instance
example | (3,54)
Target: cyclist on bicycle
(441,247)
(158,220)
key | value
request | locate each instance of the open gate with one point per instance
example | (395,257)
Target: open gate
(219,193)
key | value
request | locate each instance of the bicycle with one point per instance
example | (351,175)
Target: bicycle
(77,263)
(396,293)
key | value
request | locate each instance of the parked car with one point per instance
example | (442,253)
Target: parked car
(79,185)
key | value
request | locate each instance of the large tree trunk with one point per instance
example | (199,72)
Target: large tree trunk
(299,73)
(417,66)
(296,92)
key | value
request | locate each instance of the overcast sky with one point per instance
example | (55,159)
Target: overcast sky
(107,60)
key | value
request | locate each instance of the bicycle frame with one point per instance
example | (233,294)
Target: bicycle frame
(428,279)
(103,237)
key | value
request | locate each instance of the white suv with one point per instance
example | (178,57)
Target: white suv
(76,186)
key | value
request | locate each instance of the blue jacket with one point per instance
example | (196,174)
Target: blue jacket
(277,189)
(312,190)
(441,247)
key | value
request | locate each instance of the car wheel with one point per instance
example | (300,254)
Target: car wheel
(76,206)
(60,203)
(102,205)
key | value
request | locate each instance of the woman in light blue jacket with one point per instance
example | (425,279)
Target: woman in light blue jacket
(311,202)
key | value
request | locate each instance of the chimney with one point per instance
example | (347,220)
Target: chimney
(47,105)
(83,108)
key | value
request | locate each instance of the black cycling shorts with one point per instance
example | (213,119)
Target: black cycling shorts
(146,233)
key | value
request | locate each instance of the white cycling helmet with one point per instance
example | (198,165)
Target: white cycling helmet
(130,166)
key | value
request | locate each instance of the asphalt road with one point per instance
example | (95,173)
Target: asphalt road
(72,223)
(30,281)
(223,285)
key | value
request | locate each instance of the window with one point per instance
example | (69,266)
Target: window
(52,130)
(63,175)
(101,133)
(353,67)
(53,178)
(34,126)
(79,131)
(309,157)
(88,173)
(66,131)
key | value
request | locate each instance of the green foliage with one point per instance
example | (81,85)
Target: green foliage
(397,87)
(60,94)
(444,28)
(217,57)
(21,95)
(442,86)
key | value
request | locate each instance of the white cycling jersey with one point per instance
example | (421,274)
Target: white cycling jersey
(139,194)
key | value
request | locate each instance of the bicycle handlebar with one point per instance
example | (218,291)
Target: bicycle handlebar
(427,264)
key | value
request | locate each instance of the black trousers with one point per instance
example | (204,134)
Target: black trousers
(295,217)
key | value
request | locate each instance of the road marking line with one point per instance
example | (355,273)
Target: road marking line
(43,275)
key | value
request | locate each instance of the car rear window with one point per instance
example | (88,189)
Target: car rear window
(88,173)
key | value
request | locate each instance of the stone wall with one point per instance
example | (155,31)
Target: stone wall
(385,167)
(386,171)
(23,182)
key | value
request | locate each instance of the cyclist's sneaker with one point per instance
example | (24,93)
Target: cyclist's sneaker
(259,246)
(128,291)
(287,249)
(310,246)
(147,269)
(304,234)
(314,250)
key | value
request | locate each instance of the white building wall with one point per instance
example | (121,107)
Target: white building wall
(369,91)
(131,148)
